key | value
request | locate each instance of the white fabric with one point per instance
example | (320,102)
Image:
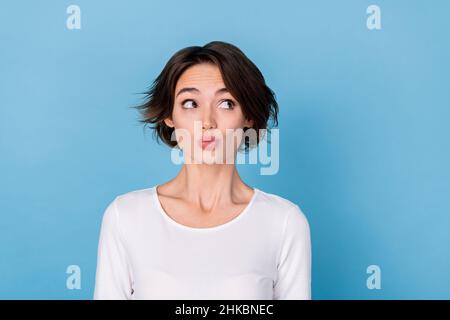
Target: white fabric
(263,253)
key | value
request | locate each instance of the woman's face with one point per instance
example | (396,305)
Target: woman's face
(206,117)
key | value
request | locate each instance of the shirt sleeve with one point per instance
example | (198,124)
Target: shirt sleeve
(294,262)
(113,276)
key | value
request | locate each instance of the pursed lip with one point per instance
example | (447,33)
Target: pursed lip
(206,141)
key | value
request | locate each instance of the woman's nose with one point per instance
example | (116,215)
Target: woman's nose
(208,119)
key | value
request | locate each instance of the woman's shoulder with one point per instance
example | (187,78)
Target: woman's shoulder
(133,201)
(135,195)
(276,202)
(272,202)
(282,209)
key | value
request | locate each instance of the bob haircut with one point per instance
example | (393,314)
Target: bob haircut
(240,75)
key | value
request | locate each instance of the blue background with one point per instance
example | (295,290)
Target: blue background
(364,128)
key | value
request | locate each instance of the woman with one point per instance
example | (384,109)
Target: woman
(205,234)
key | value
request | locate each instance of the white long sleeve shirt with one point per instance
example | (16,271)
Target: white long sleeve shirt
(263,253)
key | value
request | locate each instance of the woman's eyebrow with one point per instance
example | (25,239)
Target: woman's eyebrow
(222,90)
(187,90)
(190,89)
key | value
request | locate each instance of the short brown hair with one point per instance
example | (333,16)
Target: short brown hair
(240,75)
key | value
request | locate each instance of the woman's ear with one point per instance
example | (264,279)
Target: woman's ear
(248,124)
(169,122)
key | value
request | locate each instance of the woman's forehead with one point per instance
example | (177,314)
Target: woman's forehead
(201,76)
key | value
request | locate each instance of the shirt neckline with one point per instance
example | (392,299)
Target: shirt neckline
(195,229)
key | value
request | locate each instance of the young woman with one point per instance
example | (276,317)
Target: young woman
(205,234)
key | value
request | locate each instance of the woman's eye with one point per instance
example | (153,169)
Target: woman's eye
(189,104)
(227,104)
